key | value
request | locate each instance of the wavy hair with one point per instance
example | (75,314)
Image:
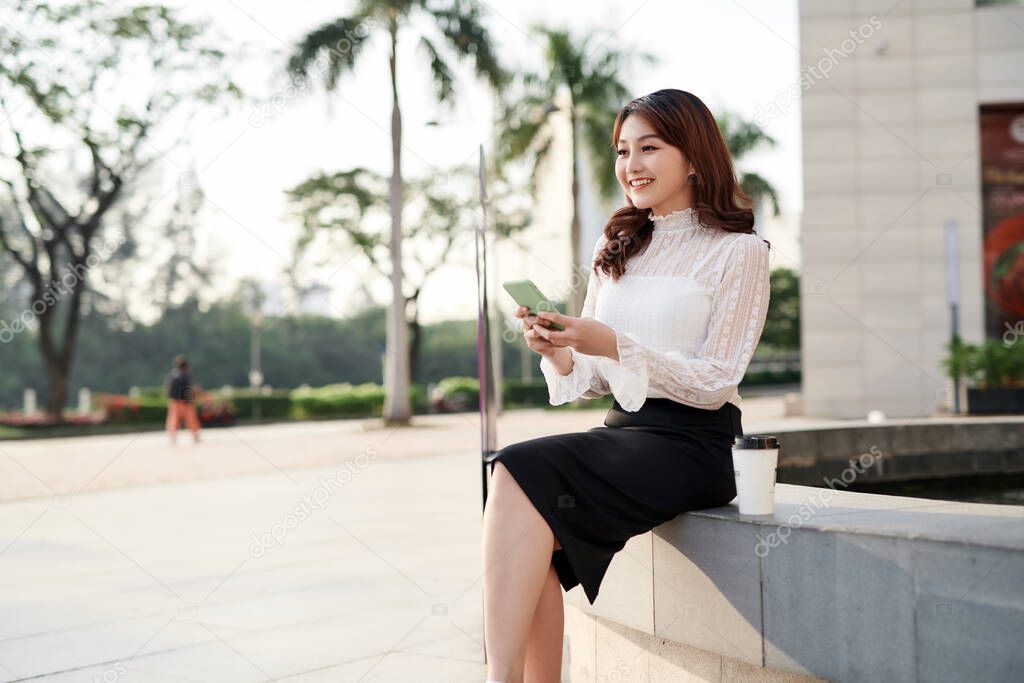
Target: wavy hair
(682,120)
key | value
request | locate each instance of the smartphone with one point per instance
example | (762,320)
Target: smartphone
(527,294)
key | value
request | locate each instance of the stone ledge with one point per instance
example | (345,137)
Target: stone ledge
(840,585)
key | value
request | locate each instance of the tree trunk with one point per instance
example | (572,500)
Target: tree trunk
(397,408)
(58,381)
(57,357)
(415,337)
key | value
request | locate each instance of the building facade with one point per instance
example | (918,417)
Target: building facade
(897,99)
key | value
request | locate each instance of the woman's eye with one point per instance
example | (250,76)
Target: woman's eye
(642,149)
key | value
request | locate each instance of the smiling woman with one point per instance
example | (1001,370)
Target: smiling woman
(674,308)
(671,157)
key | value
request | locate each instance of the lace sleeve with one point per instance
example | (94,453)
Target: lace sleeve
(585,379)
(738,312)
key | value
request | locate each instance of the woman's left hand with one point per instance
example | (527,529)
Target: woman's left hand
(586,335)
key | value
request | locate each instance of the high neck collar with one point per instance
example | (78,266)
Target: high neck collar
(683,219)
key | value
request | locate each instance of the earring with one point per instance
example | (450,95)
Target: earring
(692,179)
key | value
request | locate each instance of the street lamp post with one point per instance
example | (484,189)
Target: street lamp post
(255,372)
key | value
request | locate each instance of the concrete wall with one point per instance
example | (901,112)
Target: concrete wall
(838,585)
(890,152)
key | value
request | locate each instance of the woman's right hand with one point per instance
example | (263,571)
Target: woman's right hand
(536,342)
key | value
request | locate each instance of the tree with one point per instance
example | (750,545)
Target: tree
(180,274)
(455,29)
(95,82)
(740,138)
(592,75)
(343,204)
(782,327)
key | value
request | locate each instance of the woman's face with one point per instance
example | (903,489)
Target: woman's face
(651,172)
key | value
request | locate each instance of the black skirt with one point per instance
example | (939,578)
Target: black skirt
(599,488)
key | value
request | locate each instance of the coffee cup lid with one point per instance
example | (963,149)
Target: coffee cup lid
(755,441)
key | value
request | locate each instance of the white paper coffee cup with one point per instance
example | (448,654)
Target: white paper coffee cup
(754,460)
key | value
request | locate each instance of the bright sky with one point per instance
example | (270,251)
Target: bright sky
(734,56)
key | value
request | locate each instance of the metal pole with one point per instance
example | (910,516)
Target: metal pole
(956,333)
(485,368)
(485,359)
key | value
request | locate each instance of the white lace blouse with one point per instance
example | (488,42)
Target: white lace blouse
(687,314)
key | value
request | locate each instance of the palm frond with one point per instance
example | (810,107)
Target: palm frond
(596,125)
(442,74)
(464,32)
(524,121)
(741,136)
(329,50)
(761,191)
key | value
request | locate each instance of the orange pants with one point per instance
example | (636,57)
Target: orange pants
(182,410)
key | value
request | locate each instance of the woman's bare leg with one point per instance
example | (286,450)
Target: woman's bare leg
(517,547)
(544,648)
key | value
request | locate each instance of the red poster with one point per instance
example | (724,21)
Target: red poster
(1002,188)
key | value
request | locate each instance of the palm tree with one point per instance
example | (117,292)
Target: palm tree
(740,138)
(455,30)
(591,74)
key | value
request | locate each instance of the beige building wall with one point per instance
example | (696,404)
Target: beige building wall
(890,153)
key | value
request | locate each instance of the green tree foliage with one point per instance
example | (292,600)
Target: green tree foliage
(80,101)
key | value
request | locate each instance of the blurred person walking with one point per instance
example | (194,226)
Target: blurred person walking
(181,396)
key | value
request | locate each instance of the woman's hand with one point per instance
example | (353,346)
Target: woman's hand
(536,342)
(586,335)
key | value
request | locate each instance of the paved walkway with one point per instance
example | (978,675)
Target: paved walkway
(47,467)
(329,551)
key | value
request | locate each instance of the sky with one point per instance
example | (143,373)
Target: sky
(734,56)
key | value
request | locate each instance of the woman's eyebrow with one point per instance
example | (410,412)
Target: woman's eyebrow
(643,137)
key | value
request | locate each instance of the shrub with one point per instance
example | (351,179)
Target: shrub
(339,400)
(517,392)
(275,404)
(988,365)
(120,409)
(455,394)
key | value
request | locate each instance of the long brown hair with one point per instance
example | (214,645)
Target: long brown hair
(682,120)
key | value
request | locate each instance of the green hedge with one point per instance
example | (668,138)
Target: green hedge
(419,398)
(277,404)
(516,392)
(770,377)
(457,393)
(339,400)
(144,409)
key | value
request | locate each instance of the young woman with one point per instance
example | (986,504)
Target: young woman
(675,306)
